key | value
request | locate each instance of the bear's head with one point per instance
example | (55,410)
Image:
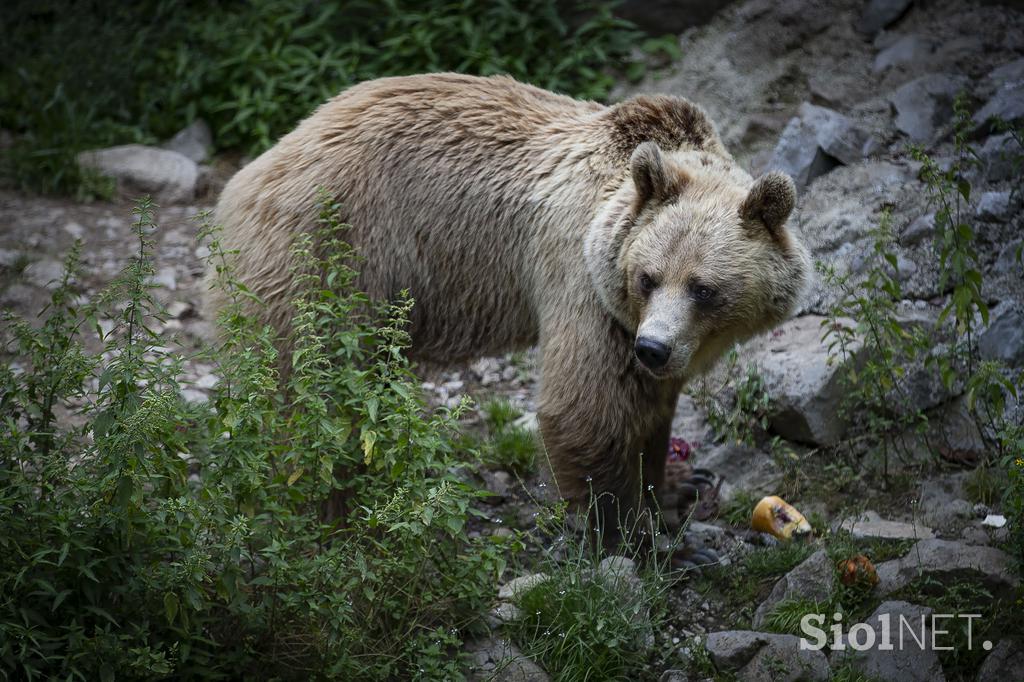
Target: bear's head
(692,256)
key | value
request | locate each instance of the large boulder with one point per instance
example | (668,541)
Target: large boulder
(905,661)
(925,104)
(949,562)
(816,141)
(1004,663)
(764,657)
(813,579)
(1007,103)
(805,387)
(905,51)
(169,176)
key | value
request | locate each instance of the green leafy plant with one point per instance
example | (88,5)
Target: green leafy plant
(738,408)
(510,446)
(254,68)
(314,524)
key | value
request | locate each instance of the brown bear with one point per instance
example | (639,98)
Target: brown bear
(623,240)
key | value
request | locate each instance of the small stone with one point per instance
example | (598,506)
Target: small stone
(528,422)
(177,310)
(499,484)
(616,566)
(997,207)
(813,579)
(45,273)
(911,49)
(193,141)
(925,104)
(973,535)
(191,395)
(870,525)
(8,258)
(206,381)
(498,660)
(919,229)
(505,613)
(508,373)
(75,230)
(515,588)
(879,14)
(167,278)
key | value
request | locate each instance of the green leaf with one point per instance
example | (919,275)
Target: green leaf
(170,606)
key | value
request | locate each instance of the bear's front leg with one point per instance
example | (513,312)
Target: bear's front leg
(604,424)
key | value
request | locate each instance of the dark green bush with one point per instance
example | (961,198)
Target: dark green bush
(145,537)
(94,73)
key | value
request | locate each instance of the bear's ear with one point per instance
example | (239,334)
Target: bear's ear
(770,201)
(649,172)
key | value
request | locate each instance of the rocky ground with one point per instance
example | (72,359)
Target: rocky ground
(834,92)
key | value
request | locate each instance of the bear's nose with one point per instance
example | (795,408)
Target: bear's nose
(653,354)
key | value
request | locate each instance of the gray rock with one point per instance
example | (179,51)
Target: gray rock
(949,561)
(503,613)
(813,579)
(911,49)
(194,141)
(9,257)
(1003,663)
(1003,340)
(1008,263)
(514,588)
(75,229)
(906,663)
(1007,105)
(871,525)
(741,468)
(169,176)
(498,660)
(44,273)
(998,207)
(674,676)
(616,567)
(499,484)
(815,142)
(805,389)
(878,14)
(760,656)
(999,158)
(973,535)
(177,310)
(918,230)
(925,104)
(166,277)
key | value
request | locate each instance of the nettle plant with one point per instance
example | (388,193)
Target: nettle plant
(877,375)
(291,526)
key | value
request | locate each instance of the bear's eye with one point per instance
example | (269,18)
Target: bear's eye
(647,283)
(702,293)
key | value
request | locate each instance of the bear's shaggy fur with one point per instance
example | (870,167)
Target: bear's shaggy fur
(516,216)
